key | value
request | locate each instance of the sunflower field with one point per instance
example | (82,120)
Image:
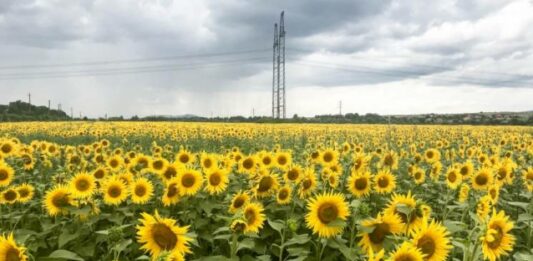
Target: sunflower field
(220,191)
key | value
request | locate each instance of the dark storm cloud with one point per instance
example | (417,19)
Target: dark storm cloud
(329,44)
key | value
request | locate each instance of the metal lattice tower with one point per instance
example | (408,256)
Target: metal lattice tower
(279,104)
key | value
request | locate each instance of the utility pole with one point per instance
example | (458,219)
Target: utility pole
(29,101)
(279,104)
(340,108)
(253,112)
(71,113)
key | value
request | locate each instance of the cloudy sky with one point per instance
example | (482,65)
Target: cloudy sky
(147,57)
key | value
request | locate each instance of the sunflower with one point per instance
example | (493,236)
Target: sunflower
(375,231)
(419,175)
(185,157)
(248,164)
(217,181)
(26,192)
(57,200)
(141,190)
(158,165)
(238,201)
(284,195)
(360,162)
(27,161)
(115,191)
(494,193)
(326,214)
(483,207)
(208,161)
(389,160)
(463,193)
(171,194)
(503,174)
(253,214)
(282,159)
(190,181)
(384,182)
(308,184)
(497,241)
(10,251)
(82,185)
(115,162)
(157,235)
(400,204)
(406,252)
(9,196)
(265,159)
(453,178)
(6,174)
(466,169)
(170,171)
(359,183)
(329,157)
(431,155)
(433,240)
(482,179)
(7,148)
(375,256)
(266,185)
(527,176)
(238,226)
(293,174)
(100,173)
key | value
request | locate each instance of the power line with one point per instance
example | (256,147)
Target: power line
(401,74)
(447,68)
(129,70)
(137,60)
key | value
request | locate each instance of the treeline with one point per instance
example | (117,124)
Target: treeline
(23,111)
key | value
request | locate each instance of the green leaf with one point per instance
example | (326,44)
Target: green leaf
(337,223)
(276,225)
(124,243)
(521,205)
(66,255)
(404,209)
(297,240)
(66,237)
(247,243)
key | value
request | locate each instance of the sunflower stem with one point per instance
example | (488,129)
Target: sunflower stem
(234,246)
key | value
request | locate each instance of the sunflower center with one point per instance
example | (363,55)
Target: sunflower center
(502,173)
(327,212)
(188,180)
(452,177)
(530,175)
(498,236)
(307,184)
(427,245)
(114,191)
(215,179)
(10,195)
(248,163)
(238,202)
(158,164)
(140,190)
(60,200)
(12,254)
(361,183)
(82,185)
(282,160)
(492,193)
(293,174)
(328,157)
(283,194)
(383,182)
(208,163)
(429,154)
(314,155)
(265,184)
(170,172)
(164,237)
(418,175)
(24,192)
(184,158)
(464,170)
(3,174)
(481,180)
(267,160)
(99,174)
(172,190)
(381,230)
(250,216)
(6,148)
(388,161)
(357,164)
